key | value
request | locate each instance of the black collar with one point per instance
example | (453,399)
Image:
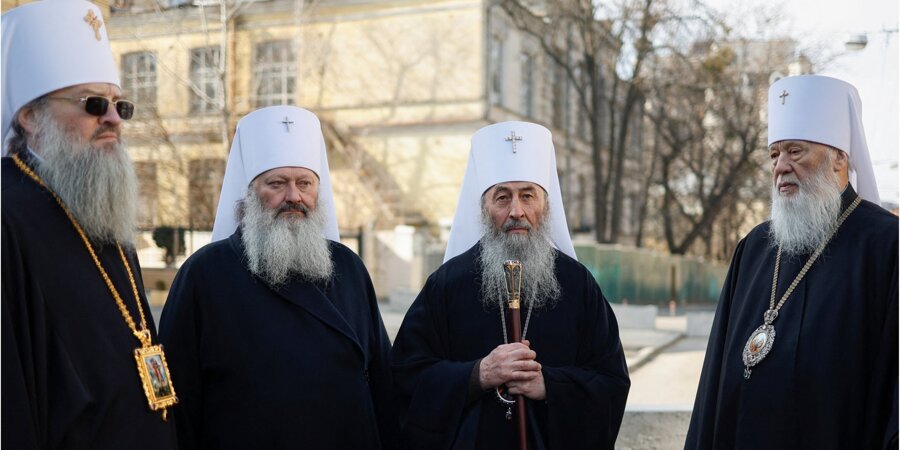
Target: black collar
(847,197)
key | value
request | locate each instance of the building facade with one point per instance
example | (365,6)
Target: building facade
(400,88)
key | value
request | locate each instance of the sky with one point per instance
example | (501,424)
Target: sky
(827,24)
(874,72)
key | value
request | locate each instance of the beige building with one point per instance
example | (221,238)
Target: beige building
(400,87)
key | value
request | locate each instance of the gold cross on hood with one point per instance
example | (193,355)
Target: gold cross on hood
(94,22)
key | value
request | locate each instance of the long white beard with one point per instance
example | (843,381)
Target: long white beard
(279,248)
(801,222)
(539,284)
(97,185)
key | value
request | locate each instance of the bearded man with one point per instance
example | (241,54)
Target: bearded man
(453,351)
(74,316)
(803,349)
(272,331)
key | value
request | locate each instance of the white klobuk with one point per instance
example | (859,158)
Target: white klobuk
(827,111)
(269,138)
(49,45)
(505,152)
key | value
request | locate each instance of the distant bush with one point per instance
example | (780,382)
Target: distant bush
(164,237)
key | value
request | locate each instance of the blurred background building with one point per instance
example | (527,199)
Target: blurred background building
(657,113)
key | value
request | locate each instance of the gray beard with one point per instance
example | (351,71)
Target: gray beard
(801,222)
(540,287)
(97,185)
(279,248)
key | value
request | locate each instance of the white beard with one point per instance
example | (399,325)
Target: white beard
(97,185)
(279,248)
(801,222)
(539,284)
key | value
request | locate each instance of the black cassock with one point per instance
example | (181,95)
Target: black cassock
(830,380)
(447,329)
(301,366)
(69,376)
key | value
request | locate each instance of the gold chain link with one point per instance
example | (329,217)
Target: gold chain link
(809,262)
(142,334)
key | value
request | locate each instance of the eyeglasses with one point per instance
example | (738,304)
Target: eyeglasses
(96,105)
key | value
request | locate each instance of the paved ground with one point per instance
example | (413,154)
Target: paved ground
(663,387)
(670,378)
(653,429)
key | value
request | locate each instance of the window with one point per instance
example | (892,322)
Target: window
(139,80)
(527,85)
(205,79)
(274,74)
(497,71)
(147,194)
(205,184)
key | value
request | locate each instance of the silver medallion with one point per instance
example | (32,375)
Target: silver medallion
(763,338)
(758,346)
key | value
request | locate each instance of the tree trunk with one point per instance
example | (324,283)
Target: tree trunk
(645,193)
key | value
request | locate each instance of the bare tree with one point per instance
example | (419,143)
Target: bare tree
(708,115)
(604,49)
(697,84)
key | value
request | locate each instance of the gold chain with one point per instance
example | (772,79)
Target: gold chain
(143,334)
(809,262)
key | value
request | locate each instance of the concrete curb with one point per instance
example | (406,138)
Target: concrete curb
(646,354)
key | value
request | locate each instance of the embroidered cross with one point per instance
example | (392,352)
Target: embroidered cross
(513,138)
(94,22)
(287,123)
(783,95)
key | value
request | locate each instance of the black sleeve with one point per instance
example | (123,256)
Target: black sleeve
(380,378)
(21,422)
(431,389)
(586,401)
(703,418)
(179,332)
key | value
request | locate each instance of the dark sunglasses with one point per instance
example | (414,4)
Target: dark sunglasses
(96,105)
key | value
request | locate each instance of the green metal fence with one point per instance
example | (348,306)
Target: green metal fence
(639,276)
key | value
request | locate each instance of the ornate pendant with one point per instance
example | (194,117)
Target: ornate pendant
(157,382)
(760,342)
(505,400)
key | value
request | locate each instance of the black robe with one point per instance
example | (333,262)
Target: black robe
(69,376)
(447,329)
(300,366)
(830,380)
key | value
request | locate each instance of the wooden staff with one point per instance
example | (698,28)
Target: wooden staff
(513,271)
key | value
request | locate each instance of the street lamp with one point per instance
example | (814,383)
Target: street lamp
(856,42)
(859,41)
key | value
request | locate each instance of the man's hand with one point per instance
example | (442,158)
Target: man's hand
(509,363)
(533,388)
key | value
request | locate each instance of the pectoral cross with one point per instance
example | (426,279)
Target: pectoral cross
(94,22)
(287,123)
(513,138)
(783,95)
